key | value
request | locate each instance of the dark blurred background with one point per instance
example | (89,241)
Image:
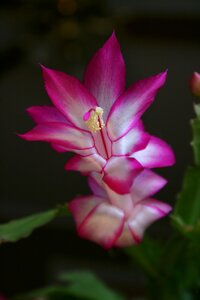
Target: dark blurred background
(64,34)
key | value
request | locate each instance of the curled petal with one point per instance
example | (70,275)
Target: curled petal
(60,134)
(91,163)
(43,114)
(120,172)
(146,184)
(103,225)
(68,95)
(157,154)
(145,213)
(105,74)
(129,107)
(136,139)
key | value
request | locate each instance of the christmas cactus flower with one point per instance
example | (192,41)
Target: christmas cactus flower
(112,219)
(100,121)
(195,84)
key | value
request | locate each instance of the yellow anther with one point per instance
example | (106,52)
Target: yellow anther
(95,121)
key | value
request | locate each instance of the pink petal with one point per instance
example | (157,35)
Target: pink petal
(146,184)
(105,74)
(123,202)
(91,163)
(95,184)
(136,139)
(43,114)
(145,213)
(103,225)
(61,134)
(129,107)
(81,207)
(157,154)
(127,238)
(120,173)
(68,95)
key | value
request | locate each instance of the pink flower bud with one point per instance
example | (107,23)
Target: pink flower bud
(195,84)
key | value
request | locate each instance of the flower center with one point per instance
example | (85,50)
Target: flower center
(93,119)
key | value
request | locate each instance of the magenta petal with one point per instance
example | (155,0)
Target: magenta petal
(68,95)
(146,184)
(105,74)
(157,154)
(43,114)
(61,134)
(120,172)
(145,213)
(136,139)
(103,225)
(91,163)
(129,107)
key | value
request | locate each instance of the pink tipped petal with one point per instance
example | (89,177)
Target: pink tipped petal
(43,114)
(96,185)
(105,74)
(129,107)
(161,208)
(146,184)
(136,139)
(81,207)
(91,163)
(157,154)
(103,225)
(120,172)
(145,213)
(68,95)
(61,134)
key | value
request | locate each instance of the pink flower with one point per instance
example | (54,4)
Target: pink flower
(111,219)
(100,121)
(195,84)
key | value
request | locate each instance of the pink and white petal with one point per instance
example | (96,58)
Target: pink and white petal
(61,134)
(136,139)
(129,107)
(103,225)
(120,172)
(105,74)
(157,154)
(145,213)
(126,239)
(43,114)
(146,184)
(68,95)
(91,163)
(81,207)
(96,186)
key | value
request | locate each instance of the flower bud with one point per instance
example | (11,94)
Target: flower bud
(195,84)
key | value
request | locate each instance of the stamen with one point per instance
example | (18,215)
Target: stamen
(93,119)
